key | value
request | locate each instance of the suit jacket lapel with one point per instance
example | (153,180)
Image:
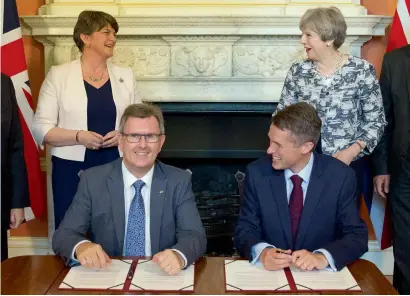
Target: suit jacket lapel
(313,196)
(157,198)
(278,185)
(116,189)
(115,85)
(75,81)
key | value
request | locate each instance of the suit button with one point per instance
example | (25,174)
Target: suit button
(402,155)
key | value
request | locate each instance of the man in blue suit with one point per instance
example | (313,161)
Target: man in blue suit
(300,207)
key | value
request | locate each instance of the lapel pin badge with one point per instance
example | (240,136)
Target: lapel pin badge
(162,191)
(121,80)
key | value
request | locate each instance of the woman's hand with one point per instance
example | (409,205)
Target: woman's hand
(90,140)
(111,139)
(347,155)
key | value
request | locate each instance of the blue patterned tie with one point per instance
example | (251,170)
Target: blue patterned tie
(135,240)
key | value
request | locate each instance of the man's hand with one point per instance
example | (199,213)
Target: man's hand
(169,261)
(275,259)
(16,217)
(382,184)
(306,260)
(92,255)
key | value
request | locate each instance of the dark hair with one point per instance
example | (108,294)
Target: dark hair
(143,110)
(90,21)
(302,120)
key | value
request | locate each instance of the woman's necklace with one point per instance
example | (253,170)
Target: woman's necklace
(92,78)
(338,65)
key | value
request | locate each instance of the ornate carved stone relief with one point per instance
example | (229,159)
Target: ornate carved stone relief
(201,56)
(144,61)
(200,61)
(264,61)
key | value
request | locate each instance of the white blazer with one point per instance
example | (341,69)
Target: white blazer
(63,103)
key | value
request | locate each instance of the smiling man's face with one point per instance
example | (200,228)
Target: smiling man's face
(140,157)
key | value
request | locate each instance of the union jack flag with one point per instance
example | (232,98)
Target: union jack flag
(13,64)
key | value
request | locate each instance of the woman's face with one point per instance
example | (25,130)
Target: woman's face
(103,42)
(314,46)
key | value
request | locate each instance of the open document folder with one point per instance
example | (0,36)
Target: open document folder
(240,275)
(129,275)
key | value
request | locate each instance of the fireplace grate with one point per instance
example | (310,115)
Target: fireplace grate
(219,214)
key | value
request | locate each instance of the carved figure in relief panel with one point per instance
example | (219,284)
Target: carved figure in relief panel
(263,61)
(144,61)
(200,61)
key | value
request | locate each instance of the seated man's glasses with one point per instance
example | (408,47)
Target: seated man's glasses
(135,138)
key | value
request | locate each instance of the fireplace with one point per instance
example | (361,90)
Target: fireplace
(215,142)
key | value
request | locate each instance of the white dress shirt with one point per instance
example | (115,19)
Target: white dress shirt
(305,174)
(129,192)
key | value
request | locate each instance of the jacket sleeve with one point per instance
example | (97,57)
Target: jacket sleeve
(190,233)
(46,116)
(380,154)
(353,238)
(248,231)
(75,224)
(373,120)
(289,91)
(20,191)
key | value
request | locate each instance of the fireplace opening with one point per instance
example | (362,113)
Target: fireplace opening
(215,142)
(217,186)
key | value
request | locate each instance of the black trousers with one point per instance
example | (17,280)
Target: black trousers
(360,166)
(399,201)
(4,248)
(400,282)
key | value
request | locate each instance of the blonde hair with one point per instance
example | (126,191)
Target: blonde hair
(327,22)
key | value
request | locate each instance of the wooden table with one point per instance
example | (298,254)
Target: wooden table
(43,275)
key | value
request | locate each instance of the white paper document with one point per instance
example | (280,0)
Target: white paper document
(149,276)
(240,275)
(324,280)
(112,278)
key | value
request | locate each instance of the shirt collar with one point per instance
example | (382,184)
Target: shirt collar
(304,173)
(130,179)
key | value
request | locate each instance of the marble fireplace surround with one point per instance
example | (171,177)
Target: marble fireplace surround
(201,51)
(208,51)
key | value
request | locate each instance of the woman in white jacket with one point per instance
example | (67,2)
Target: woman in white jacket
(80,105)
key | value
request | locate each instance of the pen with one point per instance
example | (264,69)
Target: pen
(130,274)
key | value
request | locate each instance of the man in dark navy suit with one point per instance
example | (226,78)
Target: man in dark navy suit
(14,184)
(300,207)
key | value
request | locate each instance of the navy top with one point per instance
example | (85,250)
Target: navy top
(101,117)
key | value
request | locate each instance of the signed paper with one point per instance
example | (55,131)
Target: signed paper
(241,275)
(149,276)
(324,280)
(113,277)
